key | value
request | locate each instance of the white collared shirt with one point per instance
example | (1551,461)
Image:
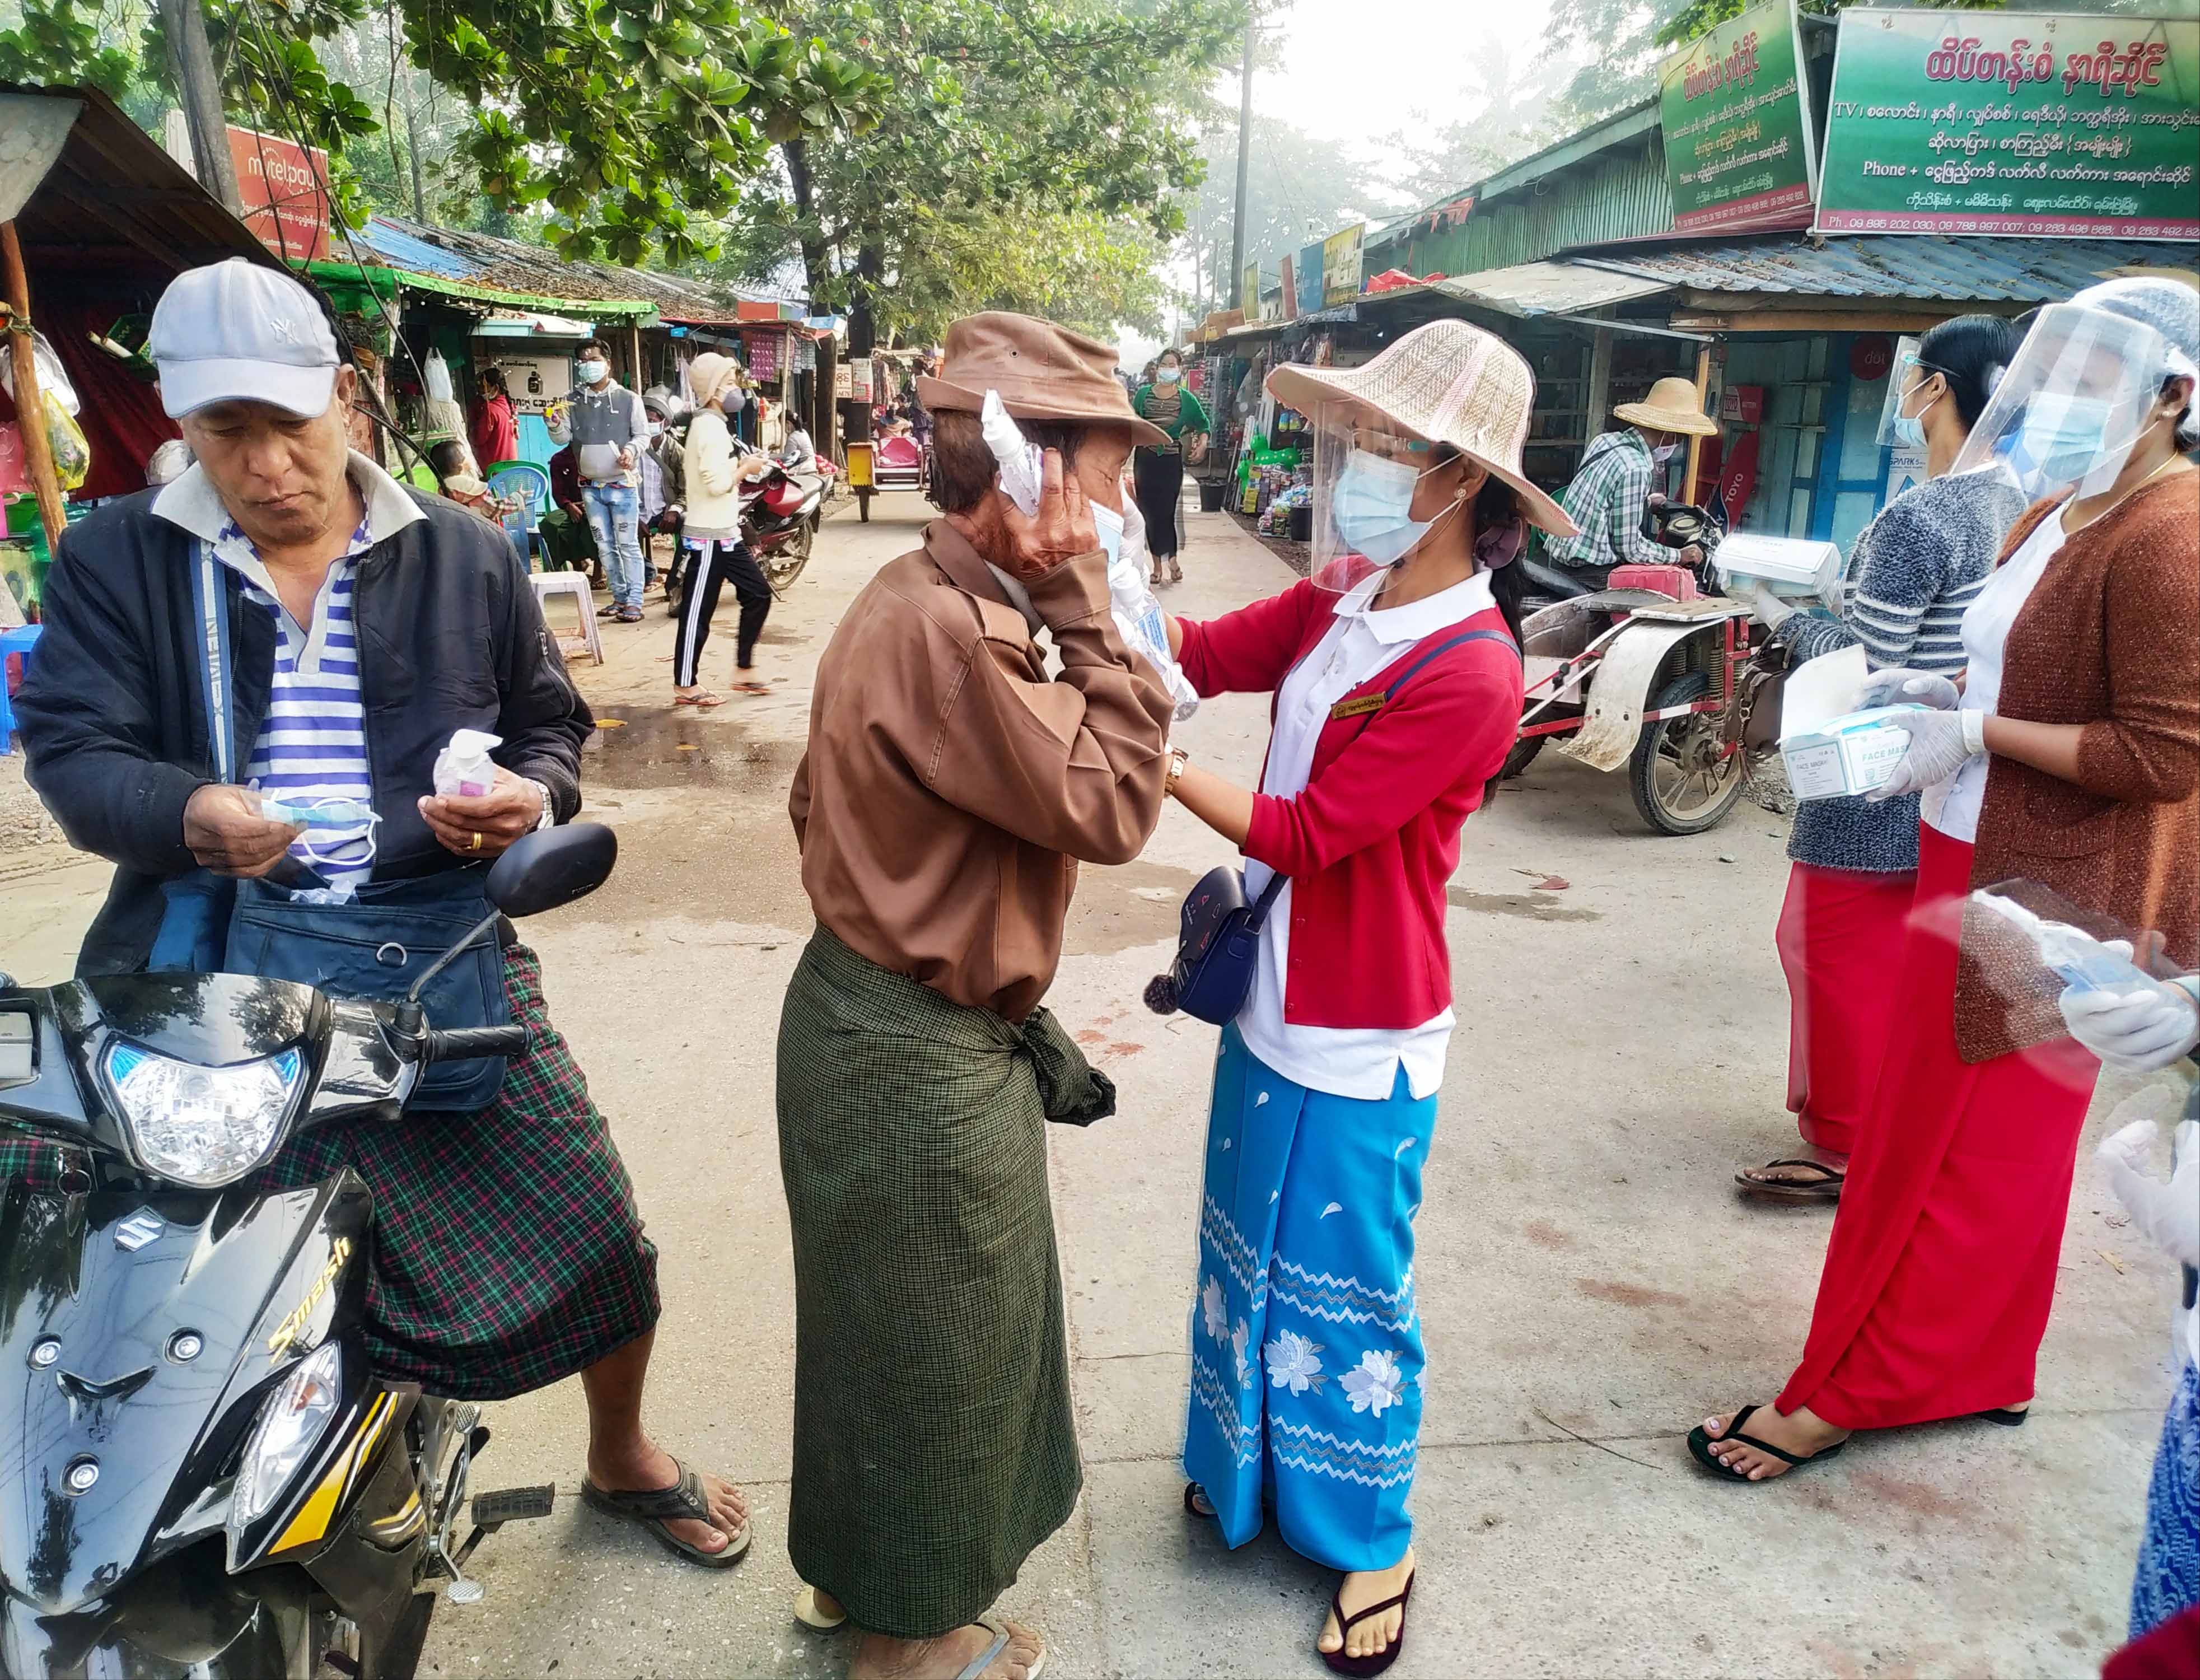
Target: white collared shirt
(1360,1062)
(1952,806)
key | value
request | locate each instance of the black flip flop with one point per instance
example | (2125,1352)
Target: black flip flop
(1700,1448)
(1363,1667)
(1196,1502)
(2009,1417)
(654,1507)
(1827,1187)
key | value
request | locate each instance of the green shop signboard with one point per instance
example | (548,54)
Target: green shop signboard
(2013,122)
(1735,111)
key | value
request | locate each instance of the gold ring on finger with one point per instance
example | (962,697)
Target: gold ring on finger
(476,842)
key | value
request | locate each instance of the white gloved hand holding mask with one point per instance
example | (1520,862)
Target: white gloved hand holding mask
(2135,1031)
(2168,1213)
(1939,743)
(1898,685)
(1767,609)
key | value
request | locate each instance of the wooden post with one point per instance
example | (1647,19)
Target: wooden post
(634,355)
(30,408)
(1695,440)
(1596,398)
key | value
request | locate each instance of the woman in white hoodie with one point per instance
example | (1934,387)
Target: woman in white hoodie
(716,471)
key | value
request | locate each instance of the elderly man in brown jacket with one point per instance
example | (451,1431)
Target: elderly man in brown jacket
(949,789)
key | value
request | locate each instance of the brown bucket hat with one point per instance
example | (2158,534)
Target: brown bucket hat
(1043,372)
(1447,382)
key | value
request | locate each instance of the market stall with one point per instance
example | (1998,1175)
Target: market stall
(95,220)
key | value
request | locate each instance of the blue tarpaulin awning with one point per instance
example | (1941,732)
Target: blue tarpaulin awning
(1939,268)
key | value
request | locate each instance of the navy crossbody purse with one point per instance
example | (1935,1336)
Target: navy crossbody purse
(1219,930)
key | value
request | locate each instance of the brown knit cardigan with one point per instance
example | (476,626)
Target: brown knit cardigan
(2110,639)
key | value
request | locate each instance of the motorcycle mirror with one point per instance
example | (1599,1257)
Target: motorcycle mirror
(552,866)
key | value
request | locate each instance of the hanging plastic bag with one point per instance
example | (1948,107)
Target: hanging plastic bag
(53,377)
(72,450)
(439,378)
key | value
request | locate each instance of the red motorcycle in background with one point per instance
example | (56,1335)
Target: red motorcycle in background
(781,513)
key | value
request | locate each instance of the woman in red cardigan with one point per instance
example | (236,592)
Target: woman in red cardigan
(2068,757)
(1397,674)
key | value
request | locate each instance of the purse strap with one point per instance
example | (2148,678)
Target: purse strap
(210,601)
(1258,918)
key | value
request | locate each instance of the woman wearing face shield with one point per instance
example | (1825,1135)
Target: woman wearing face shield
(1913,572)
(2066,753)
(1397,674)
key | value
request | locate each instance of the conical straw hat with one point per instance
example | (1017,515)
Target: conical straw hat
(1447,382)
(1672,406)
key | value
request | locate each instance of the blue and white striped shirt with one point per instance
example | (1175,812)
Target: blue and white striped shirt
(311,744)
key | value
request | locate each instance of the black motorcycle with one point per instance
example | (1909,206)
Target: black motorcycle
(205,1477)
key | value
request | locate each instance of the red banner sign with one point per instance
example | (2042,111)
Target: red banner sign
(285,189)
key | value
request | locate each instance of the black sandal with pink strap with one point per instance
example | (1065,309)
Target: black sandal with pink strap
(1339,1662)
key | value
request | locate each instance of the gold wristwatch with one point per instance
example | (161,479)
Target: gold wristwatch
(1178,760)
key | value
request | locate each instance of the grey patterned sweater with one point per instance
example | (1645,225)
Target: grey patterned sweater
(1912,573)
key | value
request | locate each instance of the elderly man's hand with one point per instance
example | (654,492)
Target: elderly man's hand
(225,831)
(1061,529)
(484,826)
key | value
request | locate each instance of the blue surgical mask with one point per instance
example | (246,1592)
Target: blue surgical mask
(2061,439)
(1910,428)
(1109,523)
(1168,376)
(593,371)
(1371,507)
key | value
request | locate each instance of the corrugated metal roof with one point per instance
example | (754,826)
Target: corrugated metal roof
(1949,269)
(1530,289)
(400,249)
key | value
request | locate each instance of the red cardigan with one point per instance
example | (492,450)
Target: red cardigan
(1370,845)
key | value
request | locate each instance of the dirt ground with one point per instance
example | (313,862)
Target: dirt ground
(1591,1284)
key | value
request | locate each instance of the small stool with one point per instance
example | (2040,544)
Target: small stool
(576,584)
(19,640)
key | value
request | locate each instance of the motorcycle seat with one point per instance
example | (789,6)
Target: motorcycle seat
(1562,582)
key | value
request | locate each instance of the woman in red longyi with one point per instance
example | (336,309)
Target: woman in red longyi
(2069,755)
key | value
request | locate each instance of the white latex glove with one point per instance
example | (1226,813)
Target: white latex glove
(1767,609)
(2135,1031)
(2167,1213)
(1898,685)
(1940,742)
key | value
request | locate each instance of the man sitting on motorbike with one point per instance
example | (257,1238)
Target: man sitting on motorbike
(1620,474)
(362,624)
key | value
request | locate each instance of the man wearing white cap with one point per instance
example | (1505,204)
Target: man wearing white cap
(355,626)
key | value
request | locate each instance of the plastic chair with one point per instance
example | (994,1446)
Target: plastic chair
(576,584)
(531,485)
(18,641)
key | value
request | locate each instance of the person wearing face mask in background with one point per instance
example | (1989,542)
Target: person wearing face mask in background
(2069,755)
(605,423)
(714,470)
(1619,472)
(663,485)
(1912,573)
(1397,677)
(1165,402)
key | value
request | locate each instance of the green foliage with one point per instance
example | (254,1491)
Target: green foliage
(1000,116)
(1079,267)
(636,121)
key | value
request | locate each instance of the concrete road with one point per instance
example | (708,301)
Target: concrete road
(1590,1283)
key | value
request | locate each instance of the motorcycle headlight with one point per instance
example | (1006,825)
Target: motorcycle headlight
(290,1425)
(203,1127)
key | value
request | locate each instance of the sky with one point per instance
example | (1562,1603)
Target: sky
(1350,71)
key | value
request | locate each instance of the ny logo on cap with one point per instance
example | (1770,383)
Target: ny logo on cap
(284,329)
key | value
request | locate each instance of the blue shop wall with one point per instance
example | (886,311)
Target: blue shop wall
(1821,469)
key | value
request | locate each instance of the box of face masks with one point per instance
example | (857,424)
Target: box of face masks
(1831,747)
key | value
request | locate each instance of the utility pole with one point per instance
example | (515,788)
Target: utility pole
(190,57)
(1237,299)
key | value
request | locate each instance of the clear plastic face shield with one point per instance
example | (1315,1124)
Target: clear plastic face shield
(1367,481)
(2080,395)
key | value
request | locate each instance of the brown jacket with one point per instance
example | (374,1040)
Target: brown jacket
(949,786)
(2110,639)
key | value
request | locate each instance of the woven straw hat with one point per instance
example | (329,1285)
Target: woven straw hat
(1447,382)
(1672,406)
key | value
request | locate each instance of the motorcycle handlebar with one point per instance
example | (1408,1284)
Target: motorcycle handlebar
(464,1044)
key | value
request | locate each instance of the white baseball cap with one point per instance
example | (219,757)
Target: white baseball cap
(240,332)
